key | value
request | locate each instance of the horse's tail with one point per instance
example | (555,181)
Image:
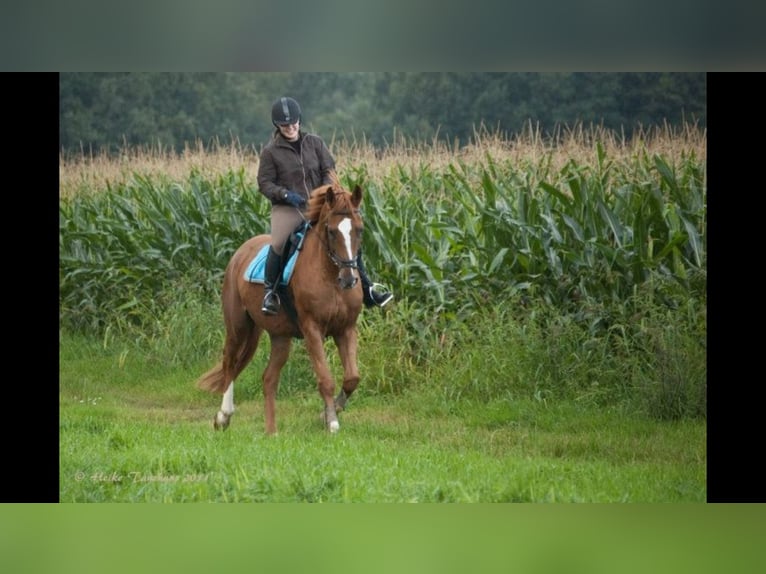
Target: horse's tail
(213,380)
(217,379)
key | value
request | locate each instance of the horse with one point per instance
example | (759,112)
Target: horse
(326,298)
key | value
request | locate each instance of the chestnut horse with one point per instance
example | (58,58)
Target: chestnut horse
(327,298)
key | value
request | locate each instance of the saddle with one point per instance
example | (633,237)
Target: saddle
(256,270)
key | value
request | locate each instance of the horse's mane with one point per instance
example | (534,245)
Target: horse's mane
(319,195)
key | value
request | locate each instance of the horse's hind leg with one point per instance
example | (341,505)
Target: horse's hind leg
(239,348)
(280,350)
(223,416)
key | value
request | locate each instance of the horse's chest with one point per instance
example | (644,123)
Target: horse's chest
(332,314)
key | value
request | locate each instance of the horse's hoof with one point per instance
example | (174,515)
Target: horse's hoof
(333,426)
(340,401)
(221,421)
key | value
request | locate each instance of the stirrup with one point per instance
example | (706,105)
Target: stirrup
(272,297)
(379,299)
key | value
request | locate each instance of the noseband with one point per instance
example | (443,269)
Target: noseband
(341,263)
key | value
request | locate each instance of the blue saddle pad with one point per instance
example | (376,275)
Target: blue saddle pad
(256,271)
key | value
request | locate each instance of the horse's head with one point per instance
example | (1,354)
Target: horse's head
(340,224)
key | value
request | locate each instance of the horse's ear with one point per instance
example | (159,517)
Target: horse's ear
(356,196)
(329,196)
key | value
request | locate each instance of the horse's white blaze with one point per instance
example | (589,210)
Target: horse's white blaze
(345,229)
(227,404)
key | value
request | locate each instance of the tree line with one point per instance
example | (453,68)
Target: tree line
(106,111)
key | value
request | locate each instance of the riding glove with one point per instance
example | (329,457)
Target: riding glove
(295,199)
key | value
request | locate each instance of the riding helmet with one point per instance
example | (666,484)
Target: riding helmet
(285,111)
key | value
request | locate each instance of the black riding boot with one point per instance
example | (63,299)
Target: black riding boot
(270,298)
(372,296)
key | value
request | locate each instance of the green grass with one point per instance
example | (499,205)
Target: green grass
(135,429)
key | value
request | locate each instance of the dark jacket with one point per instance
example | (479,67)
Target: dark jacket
(281,168)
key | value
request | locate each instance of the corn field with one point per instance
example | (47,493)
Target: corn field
(584,231)
(452,237)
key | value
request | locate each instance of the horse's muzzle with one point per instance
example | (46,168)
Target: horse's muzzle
(347,280)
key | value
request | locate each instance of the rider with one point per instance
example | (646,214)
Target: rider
(292,164)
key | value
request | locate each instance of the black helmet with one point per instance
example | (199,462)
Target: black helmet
(285,111)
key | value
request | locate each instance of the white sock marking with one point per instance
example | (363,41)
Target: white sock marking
(227,404)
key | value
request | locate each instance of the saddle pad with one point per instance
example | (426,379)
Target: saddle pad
(256,270)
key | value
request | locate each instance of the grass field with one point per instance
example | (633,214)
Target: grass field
(134,431)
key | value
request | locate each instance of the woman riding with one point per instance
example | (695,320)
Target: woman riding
(292,164)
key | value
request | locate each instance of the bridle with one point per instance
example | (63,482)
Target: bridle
(334,257)
(339,262)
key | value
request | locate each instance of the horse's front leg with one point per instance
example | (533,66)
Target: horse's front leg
(347,345)
(315,348)
(280,350)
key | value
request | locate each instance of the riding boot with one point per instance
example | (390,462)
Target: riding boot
(372,296)
(271,298)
